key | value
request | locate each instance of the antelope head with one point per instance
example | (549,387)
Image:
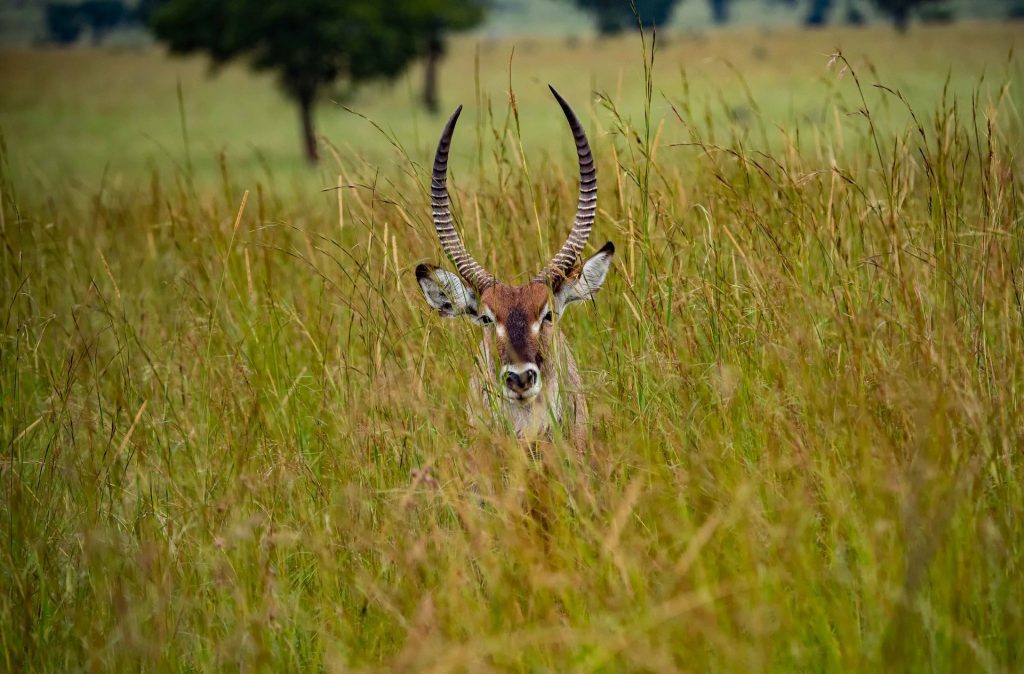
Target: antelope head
(519,322)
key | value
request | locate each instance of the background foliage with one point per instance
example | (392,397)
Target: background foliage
(313,44)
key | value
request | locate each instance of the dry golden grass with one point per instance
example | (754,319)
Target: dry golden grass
(234,437)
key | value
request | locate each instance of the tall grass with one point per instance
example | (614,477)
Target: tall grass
(235,438)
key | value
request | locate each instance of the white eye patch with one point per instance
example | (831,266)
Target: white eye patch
(539,323)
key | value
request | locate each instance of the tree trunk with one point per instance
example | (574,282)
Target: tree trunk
(308,133)
(608,24)
(435,49)
(720,11)
(818,14)
(901,18)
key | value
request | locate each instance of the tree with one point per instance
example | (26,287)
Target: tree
(433,20)
(66,21)
(900,10)
(63,23)
(615,16)
(719,11)
(145,9)
(310,44)
(817,14)
(103,16)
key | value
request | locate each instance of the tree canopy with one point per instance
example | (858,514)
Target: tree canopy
(66,21)
(615,16)
(311,44)
(900,10)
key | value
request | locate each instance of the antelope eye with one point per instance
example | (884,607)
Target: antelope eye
(548,317)
(485,319)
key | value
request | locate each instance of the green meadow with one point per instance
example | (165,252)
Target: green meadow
(234,436)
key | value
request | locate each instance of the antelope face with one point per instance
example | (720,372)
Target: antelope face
(521,336)
(518,321)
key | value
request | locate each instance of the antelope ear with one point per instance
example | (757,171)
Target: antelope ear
(585,284)
(446,292)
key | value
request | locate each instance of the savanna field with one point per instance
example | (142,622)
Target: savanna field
(234,436)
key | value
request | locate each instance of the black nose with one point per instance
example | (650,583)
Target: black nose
(520,381)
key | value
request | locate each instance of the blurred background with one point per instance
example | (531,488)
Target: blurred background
(111,85)
(63,22)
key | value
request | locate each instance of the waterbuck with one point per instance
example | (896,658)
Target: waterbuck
(529,378)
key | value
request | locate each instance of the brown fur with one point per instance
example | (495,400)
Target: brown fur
(527,377)
(516,310)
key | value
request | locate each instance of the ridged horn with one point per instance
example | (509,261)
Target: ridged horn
(468,268)
(562,263)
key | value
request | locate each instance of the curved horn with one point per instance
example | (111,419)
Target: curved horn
(468,268)
(565,259)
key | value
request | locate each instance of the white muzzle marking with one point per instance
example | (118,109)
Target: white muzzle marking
(520,382)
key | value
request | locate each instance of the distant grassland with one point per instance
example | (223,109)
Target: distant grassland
(234,437)
(84,113)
